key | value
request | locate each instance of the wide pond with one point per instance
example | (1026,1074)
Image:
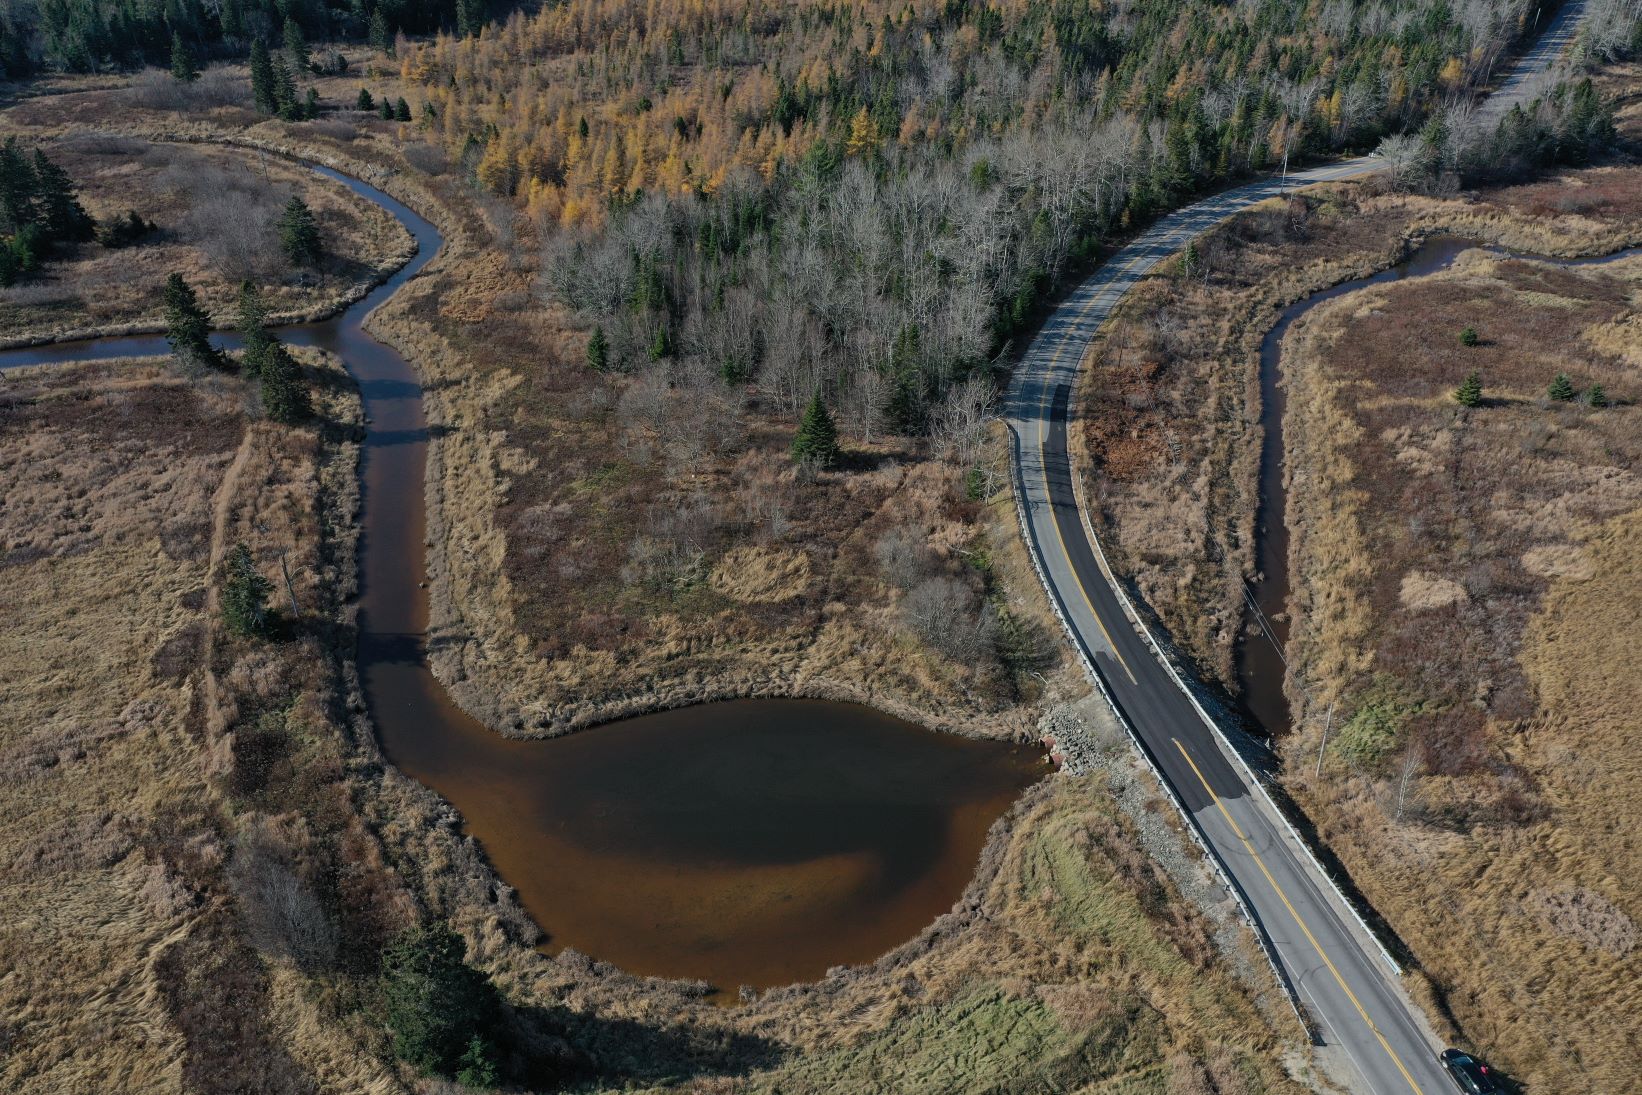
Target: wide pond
(748,843)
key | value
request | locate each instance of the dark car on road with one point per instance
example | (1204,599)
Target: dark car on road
(1471,1075)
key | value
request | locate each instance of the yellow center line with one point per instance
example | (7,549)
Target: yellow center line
(1043,411)
(1312,939)
(1043,459)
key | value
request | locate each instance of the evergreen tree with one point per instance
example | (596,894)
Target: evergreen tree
(1190,260)
(401,111)
(298,234)
(285,103)
(476,1069)
(183,66)
(284,388)
(381,38)
(245,596)
(124,231)
(253,329)
(296,47)
(262,79)
(437,1005)
(903,407)
(233,19)
(598,351)
(310,104)
(59,212)
(817,439)
(1586,126)
(187,327)
(364,102)
(1596,397)
(1468,337)
(1562,389)
(1469,393)
(17,187)
(20,255)
(470,17)
(387,109)
(660,346)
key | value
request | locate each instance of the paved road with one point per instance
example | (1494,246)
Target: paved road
(1338,971)
(1532,73)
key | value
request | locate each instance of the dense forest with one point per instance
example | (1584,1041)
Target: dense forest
(869,198)
(88,35)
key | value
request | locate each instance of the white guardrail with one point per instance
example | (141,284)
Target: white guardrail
(1226,744)
(1093,673)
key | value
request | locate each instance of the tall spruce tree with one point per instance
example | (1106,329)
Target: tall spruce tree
(598,351)
(1562,389)
(183,66)
(401,110)
(58,209)
(253,329)
(380,36)
(284,389)
(262,79)
(187,327)
(245,596)
(233,19)
(298,233)
(285,101)
(296,46)
(817,439)
(365,101)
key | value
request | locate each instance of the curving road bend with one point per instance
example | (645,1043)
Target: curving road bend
(1370,1031)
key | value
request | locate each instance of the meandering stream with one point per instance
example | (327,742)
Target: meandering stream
(1260,665)
(753,842)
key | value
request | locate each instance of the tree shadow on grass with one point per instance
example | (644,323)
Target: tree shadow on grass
(854,461)
(583,1050)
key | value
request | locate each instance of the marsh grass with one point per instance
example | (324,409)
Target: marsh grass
(130,949)
(1462,578)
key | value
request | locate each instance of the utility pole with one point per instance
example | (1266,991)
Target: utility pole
(285,569)
(1328,722)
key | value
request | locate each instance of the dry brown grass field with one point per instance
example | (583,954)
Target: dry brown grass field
(1464,579)
(167,782)
(1073,961)
(216,210)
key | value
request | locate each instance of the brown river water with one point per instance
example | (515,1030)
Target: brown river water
(753,842)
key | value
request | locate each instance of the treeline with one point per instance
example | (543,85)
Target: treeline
(870,198)
(89,35)
(1571,124)
(38,210)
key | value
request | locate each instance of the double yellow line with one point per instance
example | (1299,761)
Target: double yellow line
(1289,905)
(1045,409)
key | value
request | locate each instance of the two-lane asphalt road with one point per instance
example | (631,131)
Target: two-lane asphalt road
(1338,971)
